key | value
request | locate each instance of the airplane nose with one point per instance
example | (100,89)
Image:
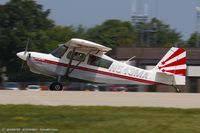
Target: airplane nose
(22,55)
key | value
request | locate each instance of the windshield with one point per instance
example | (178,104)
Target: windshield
(60,51)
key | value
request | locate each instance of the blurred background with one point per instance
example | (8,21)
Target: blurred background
(145,29)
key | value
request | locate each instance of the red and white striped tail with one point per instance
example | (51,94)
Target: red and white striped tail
(174,62)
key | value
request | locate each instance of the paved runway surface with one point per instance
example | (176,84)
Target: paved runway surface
(176,100)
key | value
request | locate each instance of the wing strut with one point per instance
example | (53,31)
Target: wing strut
(79,62)
(70,61)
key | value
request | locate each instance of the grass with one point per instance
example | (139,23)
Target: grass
(99,119)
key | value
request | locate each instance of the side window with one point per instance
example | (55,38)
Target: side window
(77,56)
(99,62)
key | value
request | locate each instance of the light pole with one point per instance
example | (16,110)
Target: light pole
(197,25)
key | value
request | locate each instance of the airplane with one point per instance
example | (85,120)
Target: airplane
(85,60)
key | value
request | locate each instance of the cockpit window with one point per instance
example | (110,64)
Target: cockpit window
(60,51)
(76,56)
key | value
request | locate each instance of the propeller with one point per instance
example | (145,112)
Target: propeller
(25,54)
(26,49)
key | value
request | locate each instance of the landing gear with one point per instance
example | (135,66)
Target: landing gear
(176,88)
(56,86)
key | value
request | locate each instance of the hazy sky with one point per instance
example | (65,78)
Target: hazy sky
(180,14)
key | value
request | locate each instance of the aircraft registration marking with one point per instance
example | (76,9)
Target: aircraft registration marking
(129,71)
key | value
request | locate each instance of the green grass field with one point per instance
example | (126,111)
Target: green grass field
(78,119)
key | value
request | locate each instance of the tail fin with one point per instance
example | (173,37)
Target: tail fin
(174,63)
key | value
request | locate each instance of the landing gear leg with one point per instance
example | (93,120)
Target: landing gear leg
(56,86)
(177,89)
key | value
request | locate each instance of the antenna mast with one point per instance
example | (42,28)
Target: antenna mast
(198,24)
(139,11)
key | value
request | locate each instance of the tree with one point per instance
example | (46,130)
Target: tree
(112,33)
(194,40)
(19,19)
(80,32)
(47,40)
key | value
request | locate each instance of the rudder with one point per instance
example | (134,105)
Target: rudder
(174,64)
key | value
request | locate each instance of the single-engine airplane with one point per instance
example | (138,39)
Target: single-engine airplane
(86,60)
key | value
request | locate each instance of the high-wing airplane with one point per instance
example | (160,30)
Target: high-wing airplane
(86,60)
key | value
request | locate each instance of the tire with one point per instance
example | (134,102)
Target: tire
(56,86)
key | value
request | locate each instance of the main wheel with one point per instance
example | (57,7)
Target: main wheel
(56,86)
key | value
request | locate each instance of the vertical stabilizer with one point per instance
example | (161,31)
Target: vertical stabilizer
(174,64)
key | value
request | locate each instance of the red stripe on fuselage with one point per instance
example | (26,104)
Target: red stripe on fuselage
(96,71)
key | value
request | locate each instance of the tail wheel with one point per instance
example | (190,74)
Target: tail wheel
(56,86)
(178,90)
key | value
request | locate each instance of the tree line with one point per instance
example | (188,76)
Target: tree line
(23,20)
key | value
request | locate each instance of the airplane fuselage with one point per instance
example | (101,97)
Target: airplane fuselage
(117,73)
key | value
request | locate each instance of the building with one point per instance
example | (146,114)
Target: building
(148,57)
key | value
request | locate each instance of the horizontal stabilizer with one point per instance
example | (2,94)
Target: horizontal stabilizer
(164,78)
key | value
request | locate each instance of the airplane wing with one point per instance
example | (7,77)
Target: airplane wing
(87,45)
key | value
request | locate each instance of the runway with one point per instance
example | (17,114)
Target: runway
(174,100)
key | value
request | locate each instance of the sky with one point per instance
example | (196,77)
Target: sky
(179,14)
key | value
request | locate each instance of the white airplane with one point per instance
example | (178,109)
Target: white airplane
(86,60)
